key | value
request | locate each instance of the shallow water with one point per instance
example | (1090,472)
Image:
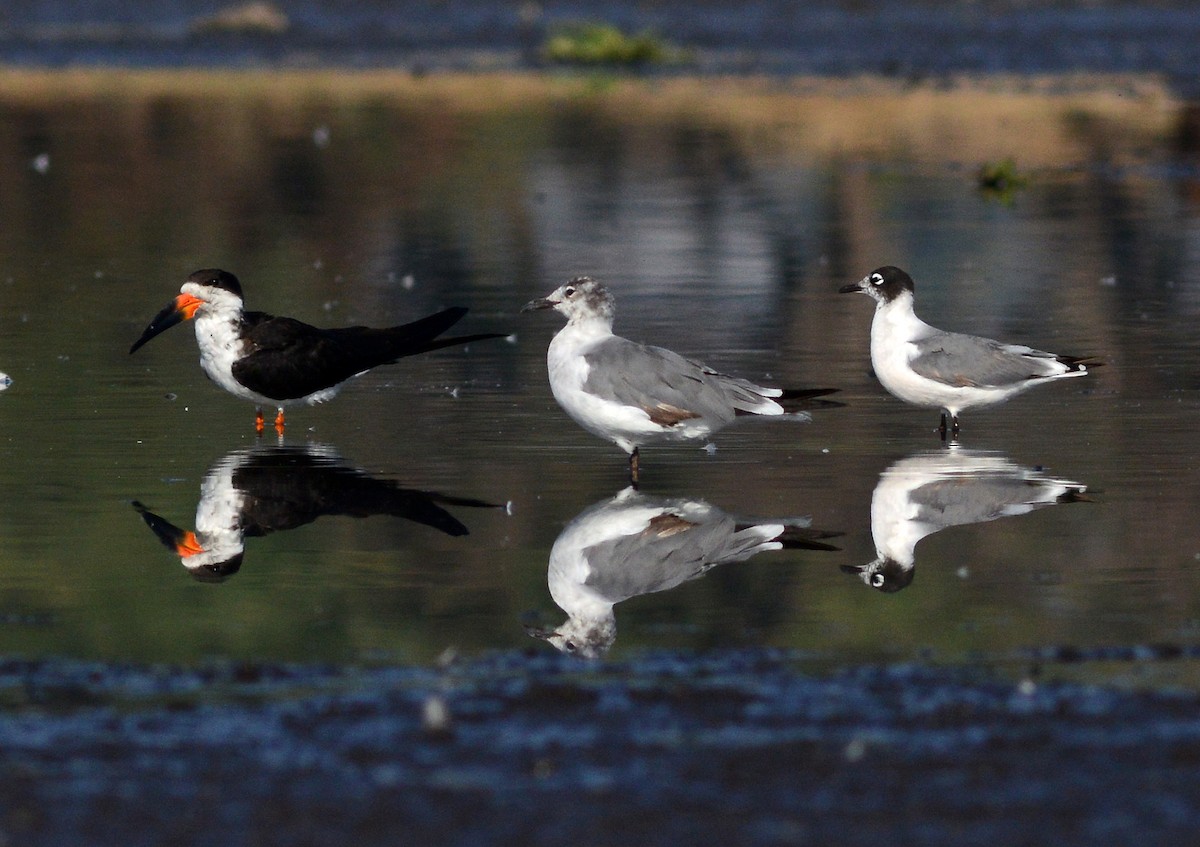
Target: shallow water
(718,243)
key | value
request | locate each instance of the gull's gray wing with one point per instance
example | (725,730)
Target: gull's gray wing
(667,386)
(975,499)
(968,360)
(669,552)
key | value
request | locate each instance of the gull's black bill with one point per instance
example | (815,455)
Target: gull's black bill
(538,304)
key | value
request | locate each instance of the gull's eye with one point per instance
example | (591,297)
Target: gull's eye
(876,279)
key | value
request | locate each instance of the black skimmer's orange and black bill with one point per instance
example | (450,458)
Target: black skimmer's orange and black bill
(252,493)
(278,361)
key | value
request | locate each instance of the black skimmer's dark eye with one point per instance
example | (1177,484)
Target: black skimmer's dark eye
(568,292)
(570,645)
(876,279)
(877,580)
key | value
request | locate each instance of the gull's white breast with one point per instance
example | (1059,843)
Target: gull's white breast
(627,425)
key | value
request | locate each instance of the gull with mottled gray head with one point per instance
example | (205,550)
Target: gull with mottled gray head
(633,394)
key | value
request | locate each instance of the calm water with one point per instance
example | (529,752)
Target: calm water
(717,245)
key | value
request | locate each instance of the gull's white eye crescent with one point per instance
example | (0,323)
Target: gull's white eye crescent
(876,279)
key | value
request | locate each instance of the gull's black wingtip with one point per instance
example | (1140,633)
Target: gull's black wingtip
(801,399)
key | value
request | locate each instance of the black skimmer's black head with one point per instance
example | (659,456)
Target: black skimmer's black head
(883,284)
(580,299)
(210,287)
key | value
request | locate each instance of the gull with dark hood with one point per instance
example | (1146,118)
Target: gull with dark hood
(928,367)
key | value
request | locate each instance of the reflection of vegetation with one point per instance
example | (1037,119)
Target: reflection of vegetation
(1000,180)
(254,18)
(605,44)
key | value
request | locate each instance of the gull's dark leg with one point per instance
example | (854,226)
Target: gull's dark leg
(942,428)
(954,425)
(633,468)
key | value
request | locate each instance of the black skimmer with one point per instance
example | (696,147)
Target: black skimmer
(927,367)
(254,492)
(277,361)
(632,544)
(928,492)
(634,394)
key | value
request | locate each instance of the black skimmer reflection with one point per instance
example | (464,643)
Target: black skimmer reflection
(928,367)
(634,544)
(253,492)
(928,492)
(633,394)
(278,362)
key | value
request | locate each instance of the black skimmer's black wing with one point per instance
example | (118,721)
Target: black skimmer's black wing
(288,487)
(288,359)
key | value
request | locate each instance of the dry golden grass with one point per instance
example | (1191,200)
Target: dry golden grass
(1043,121)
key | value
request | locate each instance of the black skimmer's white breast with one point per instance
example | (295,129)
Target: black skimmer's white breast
(278,361)
(928,492)
(633,544)
(633,394)
(928,367)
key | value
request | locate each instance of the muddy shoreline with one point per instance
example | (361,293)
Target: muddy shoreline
(537,749)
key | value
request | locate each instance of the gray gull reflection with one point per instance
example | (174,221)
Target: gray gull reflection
(634,544)
(254,492)
(927,492)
